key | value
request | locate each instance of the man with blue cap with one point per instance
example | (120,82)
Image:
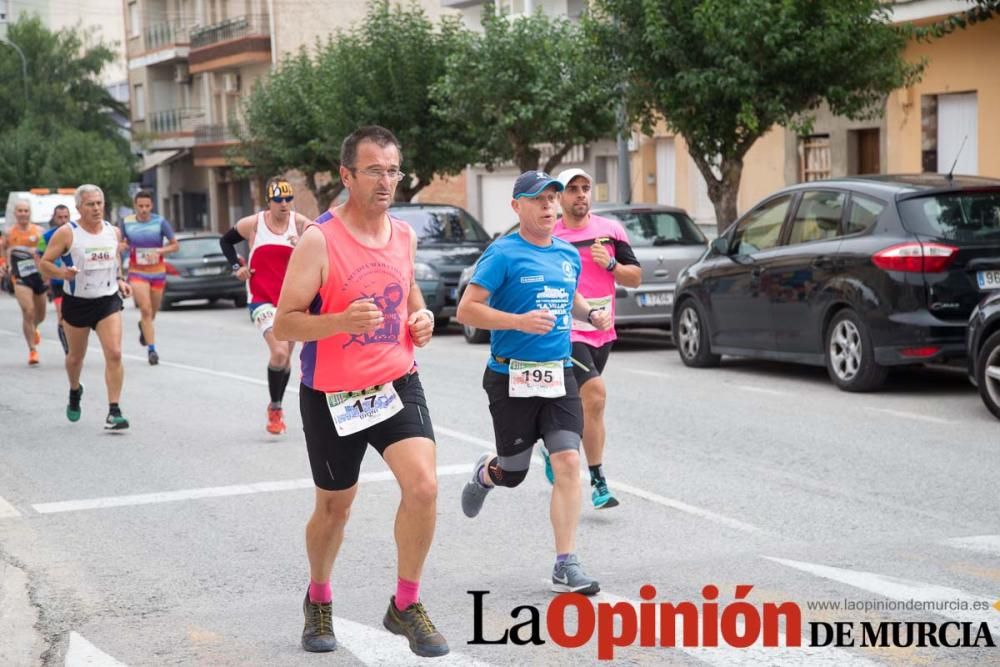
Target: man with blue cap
(524,290)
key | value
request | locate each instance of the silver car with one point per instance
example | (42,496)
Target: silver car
(665,241)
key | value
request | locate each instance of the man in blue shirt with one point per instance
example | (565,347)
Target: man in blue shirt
(524,290)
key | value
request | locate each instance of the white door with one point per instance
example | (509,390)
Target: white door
(958,122)
(495,193)
(666,172)
(701,208)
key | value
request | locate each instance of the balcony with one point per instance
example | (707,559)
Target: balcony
(168,129)
(161,43)
(237,41)
(211,145)
(159,35)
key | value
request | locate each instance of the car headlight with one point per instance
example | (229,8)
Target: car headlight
(424,271)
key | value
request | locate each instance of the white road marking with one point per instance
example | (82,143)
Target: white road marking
(458,435)
(374,646)
(896,588)
(758,390)
(654,374)
(680,506)
(214,492)
(984,544)
(82,653)
(757,654)
(7,511)
(912,415)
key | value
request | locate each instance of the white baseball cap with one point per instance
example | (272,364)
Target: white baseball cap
(567,175)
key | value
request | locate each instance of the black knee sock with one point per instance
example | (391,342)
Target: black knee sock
(277,380)
(114,409)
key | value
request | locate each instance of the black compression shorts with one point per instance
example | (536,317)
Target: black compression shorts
(519,422)
(594,358)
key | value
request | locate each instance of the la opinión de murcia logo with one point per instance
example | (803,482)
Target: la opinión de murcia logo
(573,620)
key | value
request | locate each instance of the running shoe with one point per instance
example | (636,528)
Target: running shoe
(38,336)
(115,423)
(62,338)
(32,357)
(568,577)
(600,495)
(549,475)
(275,420)
(73,409)
(317,635)
(414,624)
(142,336)
(154,358)
(475,491)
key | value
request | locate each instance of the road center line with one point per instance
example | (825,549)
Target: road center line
(984,544)
(912,415)
(758,390)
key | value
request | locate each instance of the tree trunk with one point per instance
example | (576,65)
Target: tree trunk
(526,156)
(324,194)
(723,192)
(556,158)
(406,191)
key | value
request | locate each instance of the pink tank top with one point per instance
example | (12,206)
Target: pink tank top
(345,362)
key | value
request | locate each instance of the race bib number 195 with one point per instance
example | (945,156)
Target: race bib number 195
(536,378)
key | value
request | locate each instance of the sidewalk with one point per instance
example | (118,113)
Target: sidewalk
(20,643)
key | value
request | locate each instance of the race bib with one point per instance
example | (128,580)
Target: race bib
(598,303)
(536,378)
(26,267)
(263,317)
(146,257)
(354,411)
(98,258)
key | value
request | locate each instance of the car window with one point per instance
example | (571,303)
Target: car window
(863,214)
(199,247)
(658,228)
(441,225)
(818,216)
(761,229)
(960,216)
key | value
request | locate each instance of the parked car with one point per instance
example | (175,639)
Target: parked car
(199,270)
(857,274)
(448,241)
(664,239)
(984,350)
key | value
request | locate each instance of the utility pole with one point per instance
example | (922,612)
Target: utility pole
(5,13)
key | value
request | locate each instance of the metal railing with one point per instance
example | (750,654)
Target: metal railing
(232,28)
(158,35)
(173,121)
(214,134)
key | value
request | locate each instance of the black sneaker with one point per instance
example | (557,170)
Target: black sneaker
(115,422)
(142,336)
(317,635)
(414,624)
(154,358)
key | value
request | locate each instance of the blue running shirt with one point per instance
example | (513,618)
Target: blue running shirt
(522,277)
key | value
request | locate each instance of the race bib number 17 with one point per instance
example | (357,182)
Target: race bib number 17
(354,411)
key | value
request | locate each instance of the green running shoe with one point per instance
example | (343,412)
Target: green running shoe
(600,496)
(73,409)
(115,423)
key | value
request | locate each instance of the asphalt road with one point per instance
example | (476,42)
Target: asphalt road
(181,541)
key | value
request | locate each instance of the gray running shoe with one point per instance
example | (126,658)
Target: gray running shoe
(475,492)
(569,577)
(414,624)
(317,635)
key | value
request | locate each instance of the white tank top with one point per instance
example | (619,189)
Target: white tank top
(96,258)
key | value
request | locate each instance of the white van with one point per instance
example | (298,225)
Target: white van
(43,203)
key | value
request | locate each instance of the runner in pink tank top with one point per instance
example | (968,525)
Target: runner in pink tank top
(350,296)
(270,234)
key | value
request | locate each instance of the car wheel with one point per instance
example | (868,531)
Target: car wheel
(988,373)
(691,337)
(850,355)
(474,335)
(240,301)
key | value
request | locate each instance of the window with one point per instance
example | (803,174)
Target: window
(133,19)
(139,102)
(658,228)
(514,7)
(818,216)
(761,229)
(864,212)
(960,216)
(814,158)
(443,224)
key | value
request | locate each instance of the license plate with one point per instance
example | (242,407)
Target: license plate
(453,293)
(653,299)
(207,271)
(988,279)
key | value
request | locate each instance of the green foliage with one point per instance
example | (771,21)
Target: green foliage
(63,134)
(722,73)
(379,72)
(524,82)
(984,10)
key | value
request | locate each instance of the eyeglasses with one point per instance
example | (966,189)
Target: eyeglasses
(379,174)
(281,200)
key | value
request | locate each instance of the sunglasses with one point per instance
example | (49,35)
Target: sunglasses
(281,200)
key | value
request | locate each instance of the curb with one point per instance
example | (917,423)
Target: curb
(20,642)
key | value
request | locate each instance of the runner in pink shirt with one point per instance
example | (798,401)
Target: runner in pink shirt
(607,259)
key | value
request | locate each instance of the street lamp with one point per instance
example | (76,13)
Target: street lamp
(24,69)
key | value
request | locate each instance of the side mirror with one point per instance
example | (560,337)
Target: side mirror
(720,246)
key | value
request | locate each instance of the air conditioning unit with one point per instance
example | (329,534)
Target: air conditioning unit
(181,73)
(231,83)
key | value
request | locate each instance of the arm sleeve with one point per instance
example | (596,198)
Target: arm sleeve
(228,244)
(624,253)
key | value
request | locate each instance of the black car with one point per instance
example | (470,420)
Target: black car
(857,274)
(448,240)
(199,270)
(984,350)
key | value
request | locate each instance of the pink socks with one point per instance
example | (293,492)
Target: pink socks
(320,593)
(407,592)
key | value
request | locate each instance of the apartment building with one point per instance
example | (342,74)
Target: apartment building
(190,64)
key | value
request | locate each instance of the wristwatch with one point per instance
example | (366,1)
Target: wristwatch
(590,314)
(611,265)
(236,267)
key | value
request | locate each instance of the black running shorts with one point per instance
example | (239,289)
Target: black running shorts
(594,358)
(519,422)
(56,291)
(34,281)
(336,460)
(86,313)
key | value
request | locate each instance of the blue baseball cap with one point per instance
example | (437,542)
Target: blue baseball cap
(531,184)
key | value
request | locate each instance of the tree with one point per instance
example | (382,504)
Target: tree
(63,134)
(723,73)
(379,72)
(982,10)
(527,81)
